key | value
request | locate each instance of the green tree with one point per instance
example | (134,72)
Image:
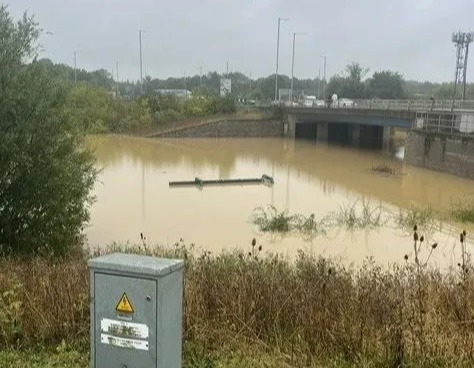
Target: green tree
(386,85)
(354,87)
(349,85)
(444,91)
(45,173)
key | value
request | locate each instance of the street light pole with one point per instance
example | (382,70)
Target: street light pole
(293,63)
(141,61)
(324,77)
(319,84)
(278,50)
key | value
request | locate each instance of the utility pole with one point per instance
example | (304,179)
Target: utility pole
(200,75)
(278,50)
(141,61)
(227,74)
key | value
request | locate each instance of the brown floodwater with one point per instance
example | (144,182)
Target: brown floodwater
(133,196)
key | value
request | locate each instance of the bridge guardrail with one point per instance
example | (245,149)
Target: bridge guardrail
(413,105)
(407,105)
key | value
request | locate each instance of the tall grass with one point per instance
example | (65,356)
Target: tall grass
(407,219)
(357,216)
(273,220)
(353,216)
(464,211)
(310,309)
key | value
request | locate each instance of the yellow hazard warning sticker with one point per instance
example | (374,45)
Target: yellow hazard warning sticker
(124,305)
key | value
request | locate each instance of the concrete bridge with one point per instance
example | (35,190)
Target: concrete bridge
(371,123)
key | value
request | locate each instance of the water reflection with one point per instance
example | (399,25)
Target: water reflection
(133,193)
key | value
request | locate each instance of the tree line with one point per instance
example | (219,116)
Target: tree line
(354,82)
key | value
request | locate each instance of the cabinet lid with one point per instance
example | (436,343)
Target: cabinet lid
(132,263)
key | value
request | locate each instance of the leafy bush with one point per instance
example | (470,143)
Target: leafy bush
(130,115)
(45,174)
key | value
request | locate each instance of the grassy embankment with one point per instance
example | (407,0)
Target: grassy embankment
(247,309)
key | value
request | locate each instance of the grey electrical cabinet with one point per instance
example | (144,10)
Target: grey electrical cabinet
(136,311)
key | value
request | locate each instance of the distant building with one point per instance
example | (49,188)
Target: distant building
(180,93)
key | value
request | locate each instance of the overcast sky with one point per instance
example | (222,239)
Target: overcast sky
(412,37)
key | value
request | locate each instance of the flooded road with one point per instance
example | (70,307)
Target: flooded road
(133,195)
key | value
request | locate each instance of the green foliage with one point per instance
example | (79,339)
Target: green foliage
(203,102)
(45,175)
(101,77)
(130,115)
(44,358)
(95,110)
(273,220)
(407,219)
(357,216)
(464,211)
(10,313)
(349,85)
(386,85)
(90,108)
(414,89)
(225,105)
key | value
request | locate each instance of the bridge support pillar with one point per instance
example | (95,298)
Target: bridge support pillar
(289,127)
(386,138)
(356,135)
(322,132)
